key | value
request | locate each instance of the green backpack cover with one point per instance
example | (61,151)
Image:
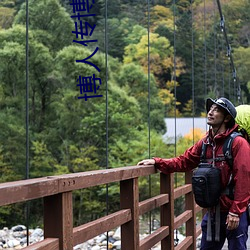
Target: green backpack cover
(243,119)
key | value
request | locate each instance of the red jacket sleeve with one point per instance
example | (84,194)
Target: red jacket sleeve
(241,175)
(183,163)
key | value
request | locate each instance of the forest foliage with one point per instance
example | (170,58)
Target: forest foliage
(156,60)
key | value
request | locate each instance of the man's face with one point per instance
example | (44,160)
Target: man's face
(215,116)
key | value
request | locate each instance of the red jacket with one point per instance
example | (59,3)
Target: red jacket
(241,167)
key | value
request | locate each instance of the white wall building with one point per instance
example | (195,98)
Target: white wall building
(178,127)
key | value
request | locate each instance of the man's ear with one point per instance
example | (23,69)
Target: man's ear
(228,118)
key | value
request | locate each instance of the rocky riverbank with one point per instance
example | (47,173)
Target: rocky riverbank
(16,238)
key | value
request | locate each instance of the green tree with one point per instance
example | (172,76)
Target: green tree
(118,31)
(160,54)
(237,21)
(12,122)
(42,163)
(241,56)
(161,62)
(6,17)
(50,22)
(40,67)
(161,16)
(132,78)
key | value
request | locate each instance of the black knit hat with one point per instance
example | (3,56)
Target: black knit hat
(223,103)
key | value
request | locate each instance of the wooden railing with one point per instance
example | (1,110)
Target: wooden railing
(59,232)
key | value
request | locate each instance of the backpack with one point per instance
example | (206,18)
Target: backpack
(206,185)
(206,179)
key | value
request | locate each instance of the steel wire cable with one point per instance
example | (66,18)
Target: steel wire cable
(215,51)
(107,111)
(192,73)
(175,95)
(27,204)
(205,48)
(236,82)
(149,120)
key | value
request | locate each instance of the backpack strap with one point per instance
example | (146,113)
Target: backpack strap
(227,151)
(203,152)
(203,155)
(227,148)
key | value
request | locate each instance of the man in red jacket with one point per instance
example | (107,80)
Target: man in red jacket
(221,115)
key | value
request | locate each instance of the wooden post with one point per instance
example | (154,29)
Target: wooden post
(167,210)
(129,197)
(190,205)
(58,219)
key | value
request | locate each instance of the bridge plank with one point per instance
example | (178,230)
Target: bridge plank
(182,218)
(187,242)
(167,187)
(154,238)
(90,230)
(129,198)
(179,191)
(46,244)
(152,203)
(58,219)
(99,177)
(24,190)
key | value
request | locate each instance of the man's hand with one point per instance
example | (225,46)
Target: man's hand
(146,162)
(232,221)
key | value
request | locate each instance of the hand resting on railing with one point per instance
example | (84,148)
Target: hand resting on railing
(146,162)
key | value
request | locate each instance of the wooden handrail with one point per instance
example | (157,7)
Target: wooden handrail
(56,191)
(24,190)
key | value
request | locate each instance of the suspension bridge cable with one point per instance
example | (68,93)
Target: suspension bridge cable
(221,68)
(174,80)
(192,73)
(149,94)
(229,52)
(175,95)
(149,121)
(229,83)
(27,207)
(215,52)
(174,71)
(107,113)
(205,49)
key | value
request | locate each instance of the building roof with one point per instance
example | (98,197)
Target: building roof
(178,127)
